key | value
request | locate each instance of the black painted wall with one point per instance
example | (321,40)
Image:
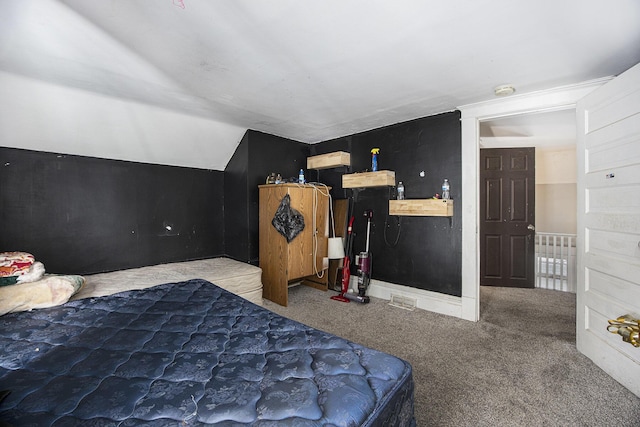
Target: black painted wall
(237,204)
(86,215)
(257,156)
(428,253)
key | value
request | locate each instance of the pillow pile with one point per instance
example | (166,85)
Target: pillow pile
(24,286)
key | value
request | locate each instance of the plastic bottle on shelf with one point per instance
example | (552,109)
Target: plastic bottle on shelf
(301,177)
(374,159)
(400,190)
(446,190)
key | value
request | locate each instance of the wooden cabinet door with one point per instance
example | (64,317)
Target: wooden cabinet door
(305,255)
(300,249)
(273,248)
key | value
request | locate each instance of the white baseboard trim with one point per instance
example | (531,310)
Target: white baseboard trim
(426,300)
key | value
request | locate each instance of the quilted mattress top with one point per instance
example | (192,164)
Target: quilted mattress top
(190,354)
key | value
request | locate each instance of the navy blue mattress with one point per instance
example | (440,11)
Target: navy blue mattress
(191,353)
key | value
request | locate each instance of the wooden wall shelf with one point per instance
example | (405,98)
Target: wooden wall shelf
(329,160)
(369,179)
(421,207)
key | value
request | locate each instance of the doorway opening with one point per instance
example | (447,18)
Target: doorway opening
(553,137)
(472,117)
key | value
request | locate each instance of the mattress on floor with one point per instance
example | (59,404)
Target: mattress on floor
(237,277)
(191,354)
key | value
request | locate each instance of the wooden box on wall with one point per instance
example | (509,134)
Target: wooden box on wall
(421,207)
(305,255)
(369,179)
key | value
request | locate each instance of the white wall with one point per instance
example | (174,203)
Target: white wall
(556,190)
(556,165)
(38,115)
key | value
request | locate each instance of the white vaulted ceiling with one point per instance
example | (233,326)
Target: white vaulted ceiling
(305,70)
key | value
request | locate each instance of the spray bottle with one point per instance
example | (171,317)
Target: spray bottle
(374,159)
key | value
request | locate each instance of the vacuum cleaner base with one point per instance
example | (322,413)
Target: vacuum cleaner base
(357,298)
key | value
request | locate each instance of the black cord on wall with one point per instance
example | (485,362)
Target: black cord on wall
(386,225)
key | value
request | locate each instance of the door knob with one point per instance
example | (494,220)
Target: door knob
(627,327)
(531,227)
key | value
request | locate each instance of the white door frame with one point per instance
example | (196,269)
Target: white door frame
(471,115)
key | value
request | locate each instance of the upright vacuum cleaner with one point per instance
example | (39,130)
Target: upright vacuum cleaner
(346,266)
(363,261)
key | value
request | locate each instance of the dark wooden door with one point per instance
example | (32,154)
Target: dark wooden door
(507,217)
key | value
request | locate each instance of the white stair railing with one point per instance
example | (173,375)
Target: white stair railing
(556,261)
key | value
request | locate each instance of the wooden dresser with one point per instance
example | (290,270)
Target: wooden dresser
(304,258)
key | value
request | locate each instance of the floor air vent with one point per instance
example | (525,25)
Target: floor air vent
(403,302)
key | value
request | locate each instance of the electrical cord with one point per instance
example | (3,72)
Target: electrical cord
(386,225)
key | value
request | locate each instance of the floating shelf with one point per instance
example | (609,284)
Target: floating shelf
(421,207)
(329,160)
(369,179)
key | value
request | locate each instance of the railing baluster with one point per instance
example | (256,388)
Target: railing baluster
(555,262)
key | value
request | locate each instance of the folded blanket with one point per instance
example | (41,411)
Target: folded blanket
(35,272)
(15,263)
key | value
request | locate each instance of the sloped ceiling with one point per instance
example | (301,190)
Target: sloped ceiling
(310,70)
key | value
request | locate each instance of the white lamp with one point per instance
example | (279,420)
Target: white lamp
(335,249)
